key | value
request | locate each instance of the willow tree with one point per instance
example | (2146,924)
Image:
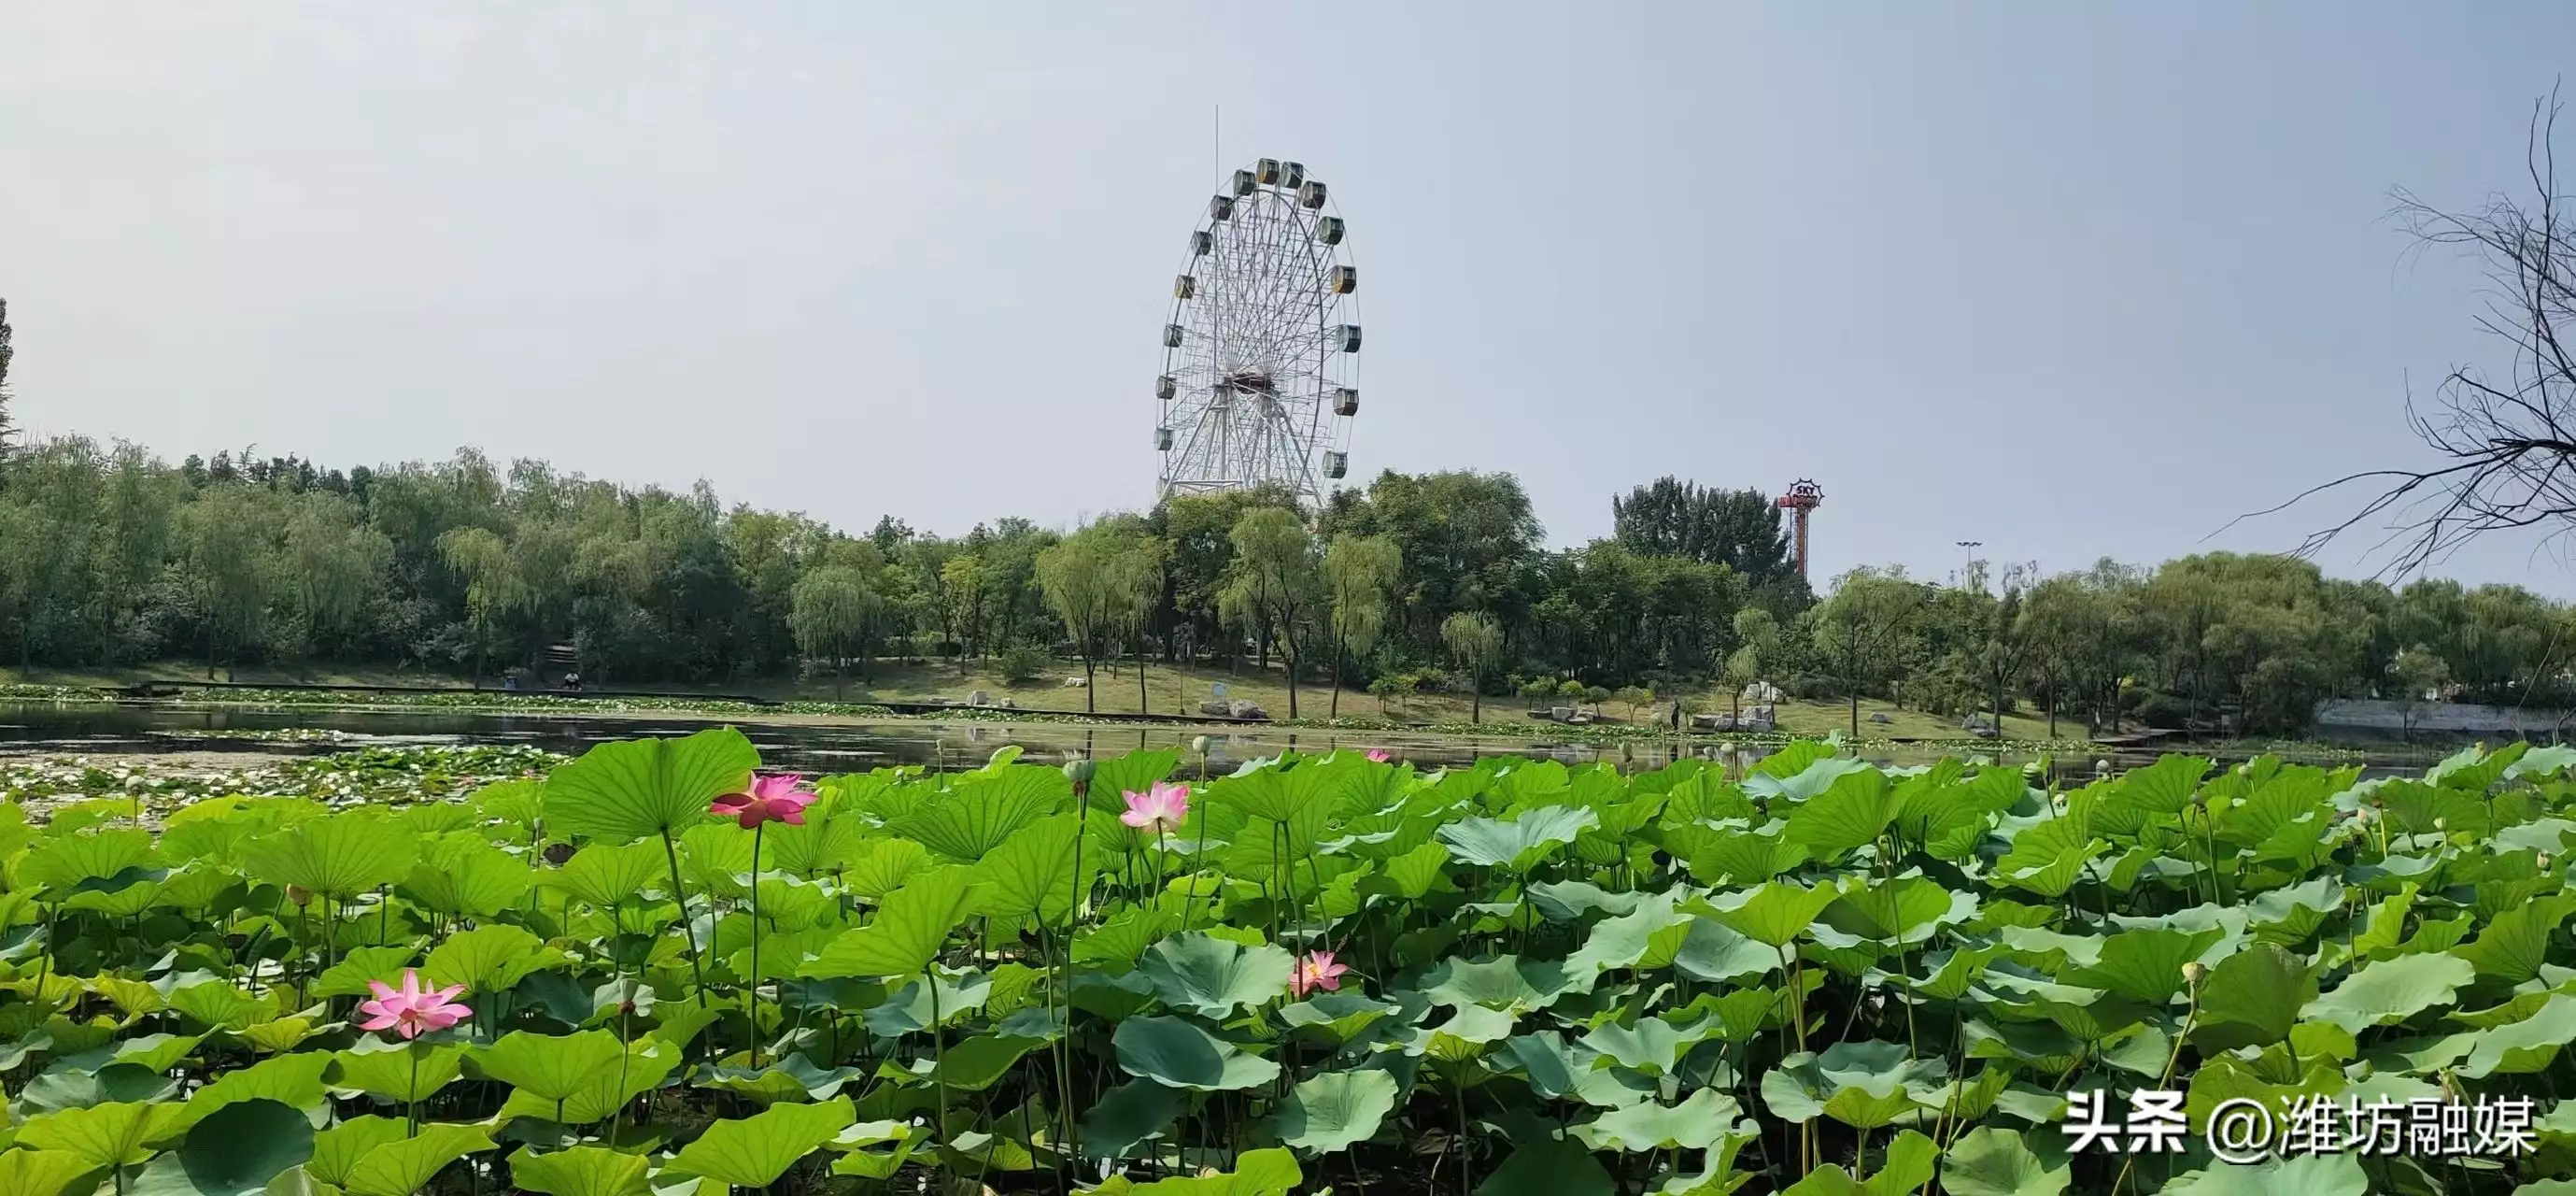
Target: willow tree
(493,589)
(1080,580)
(1275,587)
(830,611)
(1475,641)
(1757,647)
(1139,569)
(1866,629)
(1360,573)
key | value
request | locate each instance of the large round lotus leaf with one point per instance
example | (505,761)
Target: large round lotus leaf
(1334,1110)
(1178,1054)
(1212,977)
(1993,1161)
(235,1150)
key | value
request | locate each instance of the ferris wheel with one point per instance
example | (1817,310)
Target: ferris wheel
(1261,358)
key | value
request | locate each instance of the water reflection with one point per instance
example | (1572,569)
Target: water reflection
(831,746)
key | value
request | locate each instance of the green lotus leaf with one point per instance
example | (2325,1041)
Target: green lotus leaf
(349,977)
(1713,951)
(1505,982)
(1993,1161)
(2527,1046)
(2304,1175)
(1695,1124)
(337,855)
(1778,912)
(1625,940)
(549,1067)
(977,1062)
(63,862)
(944,1000)
(1336,1110)
(2143,965)
(232,1152)
(906,933)
(1271,1172)
(1862,1084)
(604,875)
(1118,942)
(474,880)
(220,1005)
(1908,1165)
(488,959)
(1209,976)
(336,1151)
(2391,990)
(1572,900)
(1134,772)
(2253,997)
(42,1172)
(2513,946)
(1032,872)
(1177,1054)
(69,1088)
(579,1171)
(563,1089)
(639,788)
(1652,1045)
(1517,845)
(107,1135)
(969,821)
(1902,912)
(1549,1167)
(1850,813)
(1128,1115)
(1463,1037)
(404,1167)
(291,1080)
(1742,858)
(1340,1017)
(407,1072)
(754,1151)
(1797,775)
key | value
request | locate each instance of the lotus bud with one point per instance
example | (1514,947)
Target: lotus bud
(1199,745)
(2544,861)
(298,895)
(1079,772)
(2194,972)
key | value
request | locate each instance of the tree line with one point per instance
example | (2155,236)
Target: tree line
(1439,582)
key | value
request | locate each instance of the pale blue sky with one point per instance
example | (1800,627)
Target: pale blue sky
(2067,279)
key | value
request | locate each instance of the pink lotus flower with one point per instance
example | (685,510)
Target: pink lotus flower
(773,798)
(1379,756)
(411,1012)
(1160,808)
(1316,971)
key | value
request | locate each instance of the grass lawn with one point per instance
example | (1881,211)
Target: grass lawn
(1176,691)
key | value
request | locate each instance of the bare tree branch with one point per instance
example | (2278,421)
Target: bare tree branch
(2509,435)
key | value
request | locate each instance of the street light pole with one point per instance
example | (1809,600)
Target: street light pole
(1970,547)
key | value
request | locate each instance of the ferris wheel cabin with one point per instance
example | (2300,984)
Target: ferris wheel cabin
(1344,337)
(1330,230)
(1337,464)
(1346,401)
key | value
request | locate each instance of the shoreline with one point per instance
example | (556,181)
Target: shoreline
(830,714)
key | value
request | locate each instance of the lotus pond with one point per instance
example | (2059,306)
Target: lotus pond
(1515,977)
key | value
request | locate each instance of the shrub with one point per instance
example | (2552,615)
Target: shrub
(1020,664)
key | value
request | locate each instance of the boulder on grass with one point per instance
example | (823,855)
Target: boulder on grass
(1216,709)
(1240,708)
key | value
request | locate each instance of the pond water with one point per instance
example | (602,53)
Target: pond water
(806,744)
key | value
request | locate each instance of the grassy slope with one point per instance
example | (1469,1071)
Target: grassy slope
(1170,691)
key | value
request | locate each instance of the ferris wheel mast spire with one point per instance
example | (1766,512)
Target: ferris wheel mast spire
(1260,376)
